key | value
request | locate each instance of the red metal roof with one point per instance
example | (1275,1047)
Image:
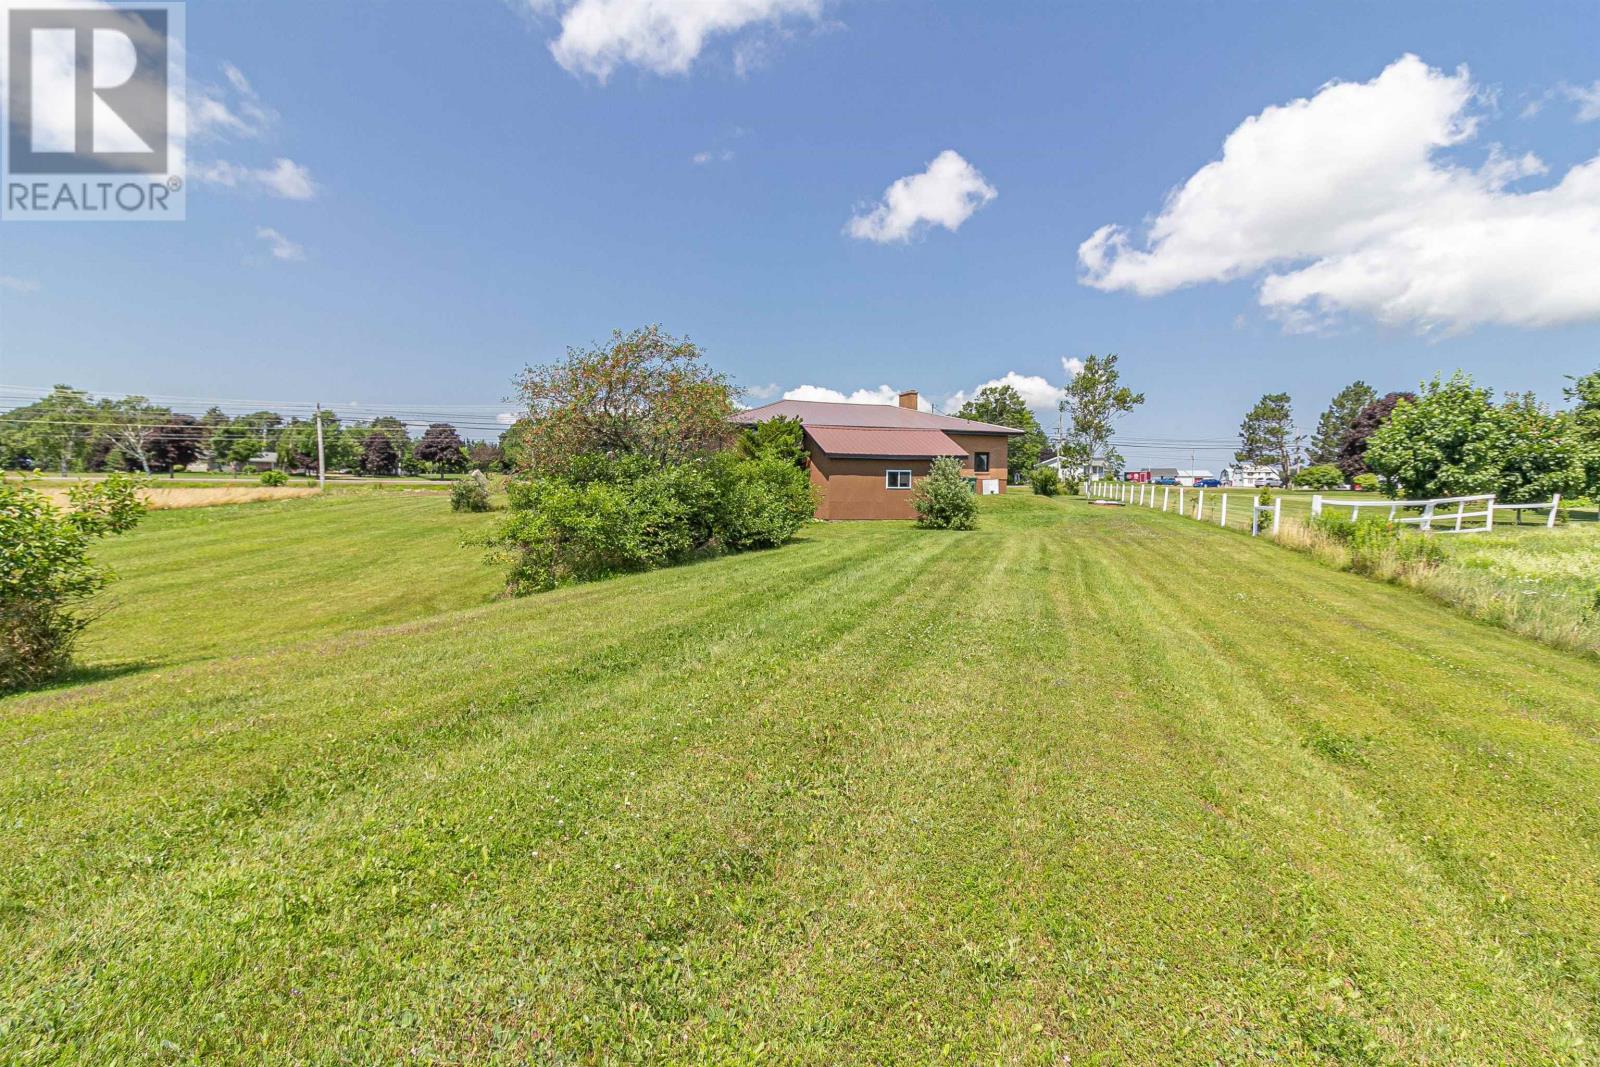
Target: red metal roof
(881,416)
(877,442)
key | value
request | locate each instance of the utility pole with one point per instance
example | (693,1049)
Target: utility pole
(321,474)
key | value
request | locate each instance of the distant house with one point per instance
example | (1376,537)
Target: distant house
(261,461)
(1098,470)
(866,457)
(1191,477)
(1251,476)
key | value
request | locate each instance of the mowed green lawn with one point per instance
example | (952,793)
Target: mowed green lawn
(202,582)
(1080,786)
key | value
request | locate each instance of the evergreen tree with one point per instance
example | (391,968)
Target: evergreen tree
(1267,437)
(1335,423)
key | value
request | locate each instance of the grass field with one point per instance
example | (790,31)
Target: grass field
(1540,582)
(1080,786)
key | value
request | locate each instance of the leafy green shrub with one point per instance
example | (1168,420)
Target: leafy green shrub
(274,478)
(1337,527)
(944,500)
(1320,477)
(46,573)
(470,493)
(1380,547)
(759,503)
(607,516)
(1045,481)
(1367,482)
(1372,536)
(1072,485)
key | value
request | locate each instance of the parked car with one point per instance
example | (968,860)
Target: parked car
(1207,483)
(1166,481)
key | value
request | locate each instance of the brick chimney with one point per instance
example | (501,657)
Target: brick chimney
(908,399)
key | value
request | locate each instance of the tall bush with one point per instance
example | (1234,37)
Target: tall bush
(470,493)
(608,516)
(1319,477)
(1045,481)
(944,500)
(46,575)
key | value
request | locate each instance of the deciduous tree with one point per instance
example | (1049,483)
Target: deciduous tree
(1353,449)
(54,431)
(644,393)
(1453,440)
(1094,399)
(378,454)
(441,448)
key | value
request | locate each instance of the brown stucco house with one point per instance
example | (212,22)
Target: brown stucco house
(866,457)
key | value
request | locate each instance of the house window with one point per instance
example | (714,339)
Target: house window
(980,462)
(897,479)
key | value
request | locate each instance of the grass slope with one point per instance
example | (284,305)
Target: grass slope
(203,582)
(1086,784)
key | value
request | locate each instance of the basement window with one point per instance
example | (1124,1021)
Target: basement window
(980,462)
(897,479)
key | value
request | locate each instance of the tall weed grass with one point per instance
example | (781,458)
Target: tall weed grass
(1541,584)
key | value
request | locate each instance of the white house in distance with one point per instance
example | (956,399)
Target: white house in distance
(1251,476)
(1098,471)
(1190,477)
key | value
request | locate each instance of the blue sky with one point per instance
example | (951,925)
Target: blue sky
(460,199)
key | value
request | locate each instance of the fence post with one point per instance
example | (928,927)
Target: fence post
(1255,516)
(1222,520)
(1166,496)
(1316,504)
(1180,500)
(1277,513)
(1427,516)
(1555,505)
(1461,509)
(1200,506)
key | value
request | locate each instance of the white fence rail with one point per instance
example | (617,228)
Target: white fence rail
(1455,514)
(1553,506)
(1471,514)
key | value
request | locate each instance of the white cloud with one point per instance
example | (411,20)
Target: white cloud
(1036,391)
(14,284)
(946,194)
(660,36)
(723,155)
(1072,365)
(279,245)
(224,113)
(1587,98)
(288,179)
(883,394)
(506,418)
(232,112)
(1344,200)
(285,178)
(762,392)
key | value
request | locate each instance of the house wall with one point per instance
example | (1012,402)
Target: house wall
(994,444)
(854,488)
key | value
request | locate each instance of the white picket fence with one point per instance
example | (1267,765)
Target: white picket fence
(1456,514)
(1185,500)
